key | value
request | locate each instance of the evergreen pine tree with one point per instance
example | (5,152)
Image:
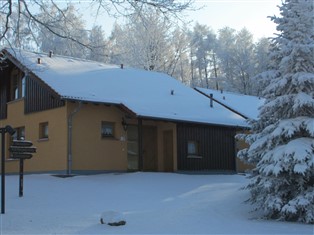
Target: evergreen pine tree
(282,139)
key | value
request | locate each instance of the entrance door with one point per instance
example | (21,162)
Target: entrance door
(168,150)
(133,156)
(150,156)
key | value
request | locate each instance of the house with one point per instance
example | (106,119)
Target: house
(246,106)
(88,117)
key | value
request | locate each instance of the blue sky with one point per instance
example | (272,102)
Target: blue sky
(217,14)
(237,14)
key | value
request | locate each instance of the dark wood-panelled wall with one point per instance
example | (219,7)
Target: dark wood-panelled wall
(39,98)
(4,92)
(216,148)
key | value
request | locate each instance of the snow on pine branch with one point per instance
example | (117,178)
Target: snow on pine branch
(298,153)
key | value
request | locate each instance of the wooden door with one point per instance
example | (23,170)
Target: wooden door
(168,150)
(150,155)
(133,153)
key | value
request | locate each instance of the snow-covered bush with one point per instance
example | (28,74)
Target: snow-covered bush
(282,140)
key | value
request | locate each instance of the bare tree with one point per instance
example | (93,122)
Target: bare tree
(27,12)
(150,42)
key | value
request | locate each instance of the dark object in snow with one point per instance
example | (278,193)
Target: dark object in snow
(112,218)
(117,223)
(122,222)
(64,175)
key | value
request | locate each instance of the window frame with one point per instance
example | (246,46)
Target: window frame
(44,131)
(196,147)
(18,84)
(19,133)
(110,125)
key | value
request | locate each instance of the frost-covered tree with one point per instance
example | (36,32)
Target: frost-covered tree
(98,45)
(262,63)
(29,9)
(202,45)
(244,62)
(225,53)
(179,61)
(149,41)
(144,41)
(236,59)
(282,142)
(66,22)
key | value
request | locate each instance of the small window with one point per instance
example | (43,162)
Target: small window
(193,148)
(14,86)
(23,84)
(17,85)
(43,130)
(107,129)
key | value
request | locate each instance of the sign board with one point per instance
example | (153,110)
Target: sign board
(22,149)
(22,143)
(18,149)
(21,155)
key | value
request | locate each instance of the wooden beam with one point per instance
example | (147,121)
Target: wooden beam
(140,144)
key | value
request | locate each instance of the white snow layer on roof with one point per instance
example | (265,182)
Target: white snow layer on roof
(245,104)
(146,93)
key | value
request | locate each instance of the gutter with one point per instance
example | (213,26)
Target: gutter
(70,125)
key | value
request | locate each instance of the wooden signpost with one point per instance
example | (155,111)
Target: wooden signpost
(22,149)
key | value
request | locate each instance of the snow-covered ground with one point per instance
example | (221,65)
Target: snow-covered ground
(151,203)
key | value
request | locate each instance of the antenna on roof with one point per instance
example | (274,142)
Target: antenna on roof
(211,99)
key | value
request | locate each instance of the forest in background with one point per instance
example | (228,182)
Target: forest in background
(197,56)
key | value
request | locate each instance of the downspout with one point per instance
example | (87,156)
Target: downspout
(70,125)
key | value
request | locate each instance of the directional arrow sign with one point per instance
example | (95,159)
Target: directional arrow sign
(22,143)
(18,149)
(21,155)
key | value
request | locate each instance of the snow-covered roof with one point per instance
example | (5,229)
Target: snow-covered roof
(246,105)
(146,93)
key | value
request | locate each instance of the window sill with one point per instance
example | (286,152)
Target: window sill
(108,138)
(194,156)
(43,140)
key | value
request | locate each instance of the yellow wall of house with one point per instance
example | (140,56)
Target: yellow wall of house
(91,152)
(241,166)
(51,152)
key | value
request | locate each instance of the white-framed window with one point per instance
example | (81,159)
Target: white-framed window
(43,130)
(107,129)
